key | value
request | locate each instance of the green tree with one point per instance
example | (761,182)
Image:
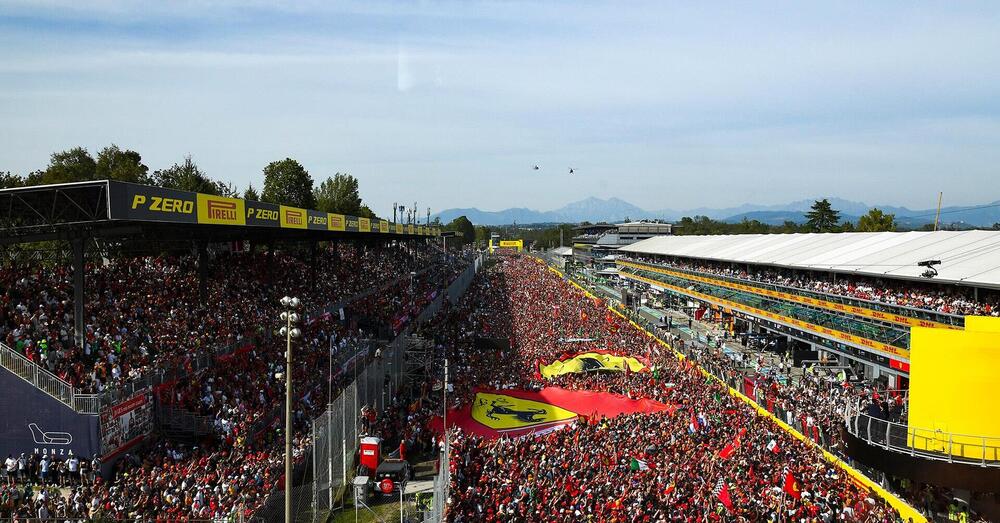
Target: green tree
(116,164)
(286,182)
(9,180)
(822,217)
(74,165)
(365,212)
(788,226)
(339,194)
(251,194)
(877,221)
(186,176)
(463,225)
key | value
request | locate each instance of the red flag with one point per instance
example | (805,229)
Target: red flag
(730,449)
(773,446)
(721,491)
(792,487)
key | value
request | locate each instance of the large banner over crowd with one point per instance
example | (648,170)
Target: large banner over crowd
(591,361)
(494,413)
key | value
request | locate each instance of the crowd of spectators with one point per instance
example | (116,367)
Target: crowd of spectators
(230,472)
(148,312)
(586,471)
(948,299)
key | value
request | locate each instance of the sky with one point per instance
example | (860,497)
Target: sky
(450,104)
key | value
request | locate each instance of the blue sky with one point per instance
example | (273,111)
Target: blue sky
(664,104)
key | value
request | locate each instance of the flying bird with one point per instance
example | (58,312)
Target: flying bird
(571,171)
(535,168)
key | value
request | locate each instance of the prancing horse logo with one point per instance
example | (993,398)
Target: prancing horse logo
(502,407)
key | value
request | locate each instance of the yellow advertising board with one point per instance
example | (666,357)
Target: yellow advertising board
(951,374)
(219,210)
(292,217)
(336,222)
(383,226)
(364,225)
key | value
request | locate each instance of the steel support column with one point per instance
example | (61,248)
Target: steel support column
(78,286)
(202,270)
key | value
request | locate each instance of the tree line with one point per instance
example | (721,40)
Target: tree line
(285,182)
(822,217)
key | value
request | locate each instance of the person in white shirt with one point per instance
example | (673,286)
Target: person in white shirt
(73,466)
(43,468)
(10,467)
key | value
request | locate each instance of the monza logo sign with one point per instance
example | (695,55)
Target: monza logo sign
(49,438)
(50,443)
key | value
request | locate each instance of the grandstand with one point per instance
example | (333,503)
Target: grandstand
(842,296)
(864,308)
(137,346)
(753,378)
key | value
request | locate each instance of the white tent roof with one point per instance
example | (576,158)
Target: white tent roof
(967,257)
(563,251)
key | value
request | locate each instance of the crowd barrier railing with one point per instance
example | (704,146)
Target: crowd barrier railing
(47,382)
(926,443)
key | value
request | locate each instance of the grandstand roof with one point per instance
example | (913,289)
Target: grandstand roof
(967,257)
(111,208)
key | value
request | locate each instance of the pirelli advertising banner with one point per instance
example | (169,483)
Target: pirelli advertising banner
(129,201)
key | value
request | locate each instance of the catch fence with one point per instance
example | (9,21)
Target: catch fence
(336,433)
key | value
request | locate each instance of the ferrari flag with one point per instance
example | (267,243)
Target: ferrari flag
(495,413)
(592,361)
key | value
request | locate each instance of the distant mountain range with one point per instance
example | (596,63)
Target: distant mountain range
(616,210)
